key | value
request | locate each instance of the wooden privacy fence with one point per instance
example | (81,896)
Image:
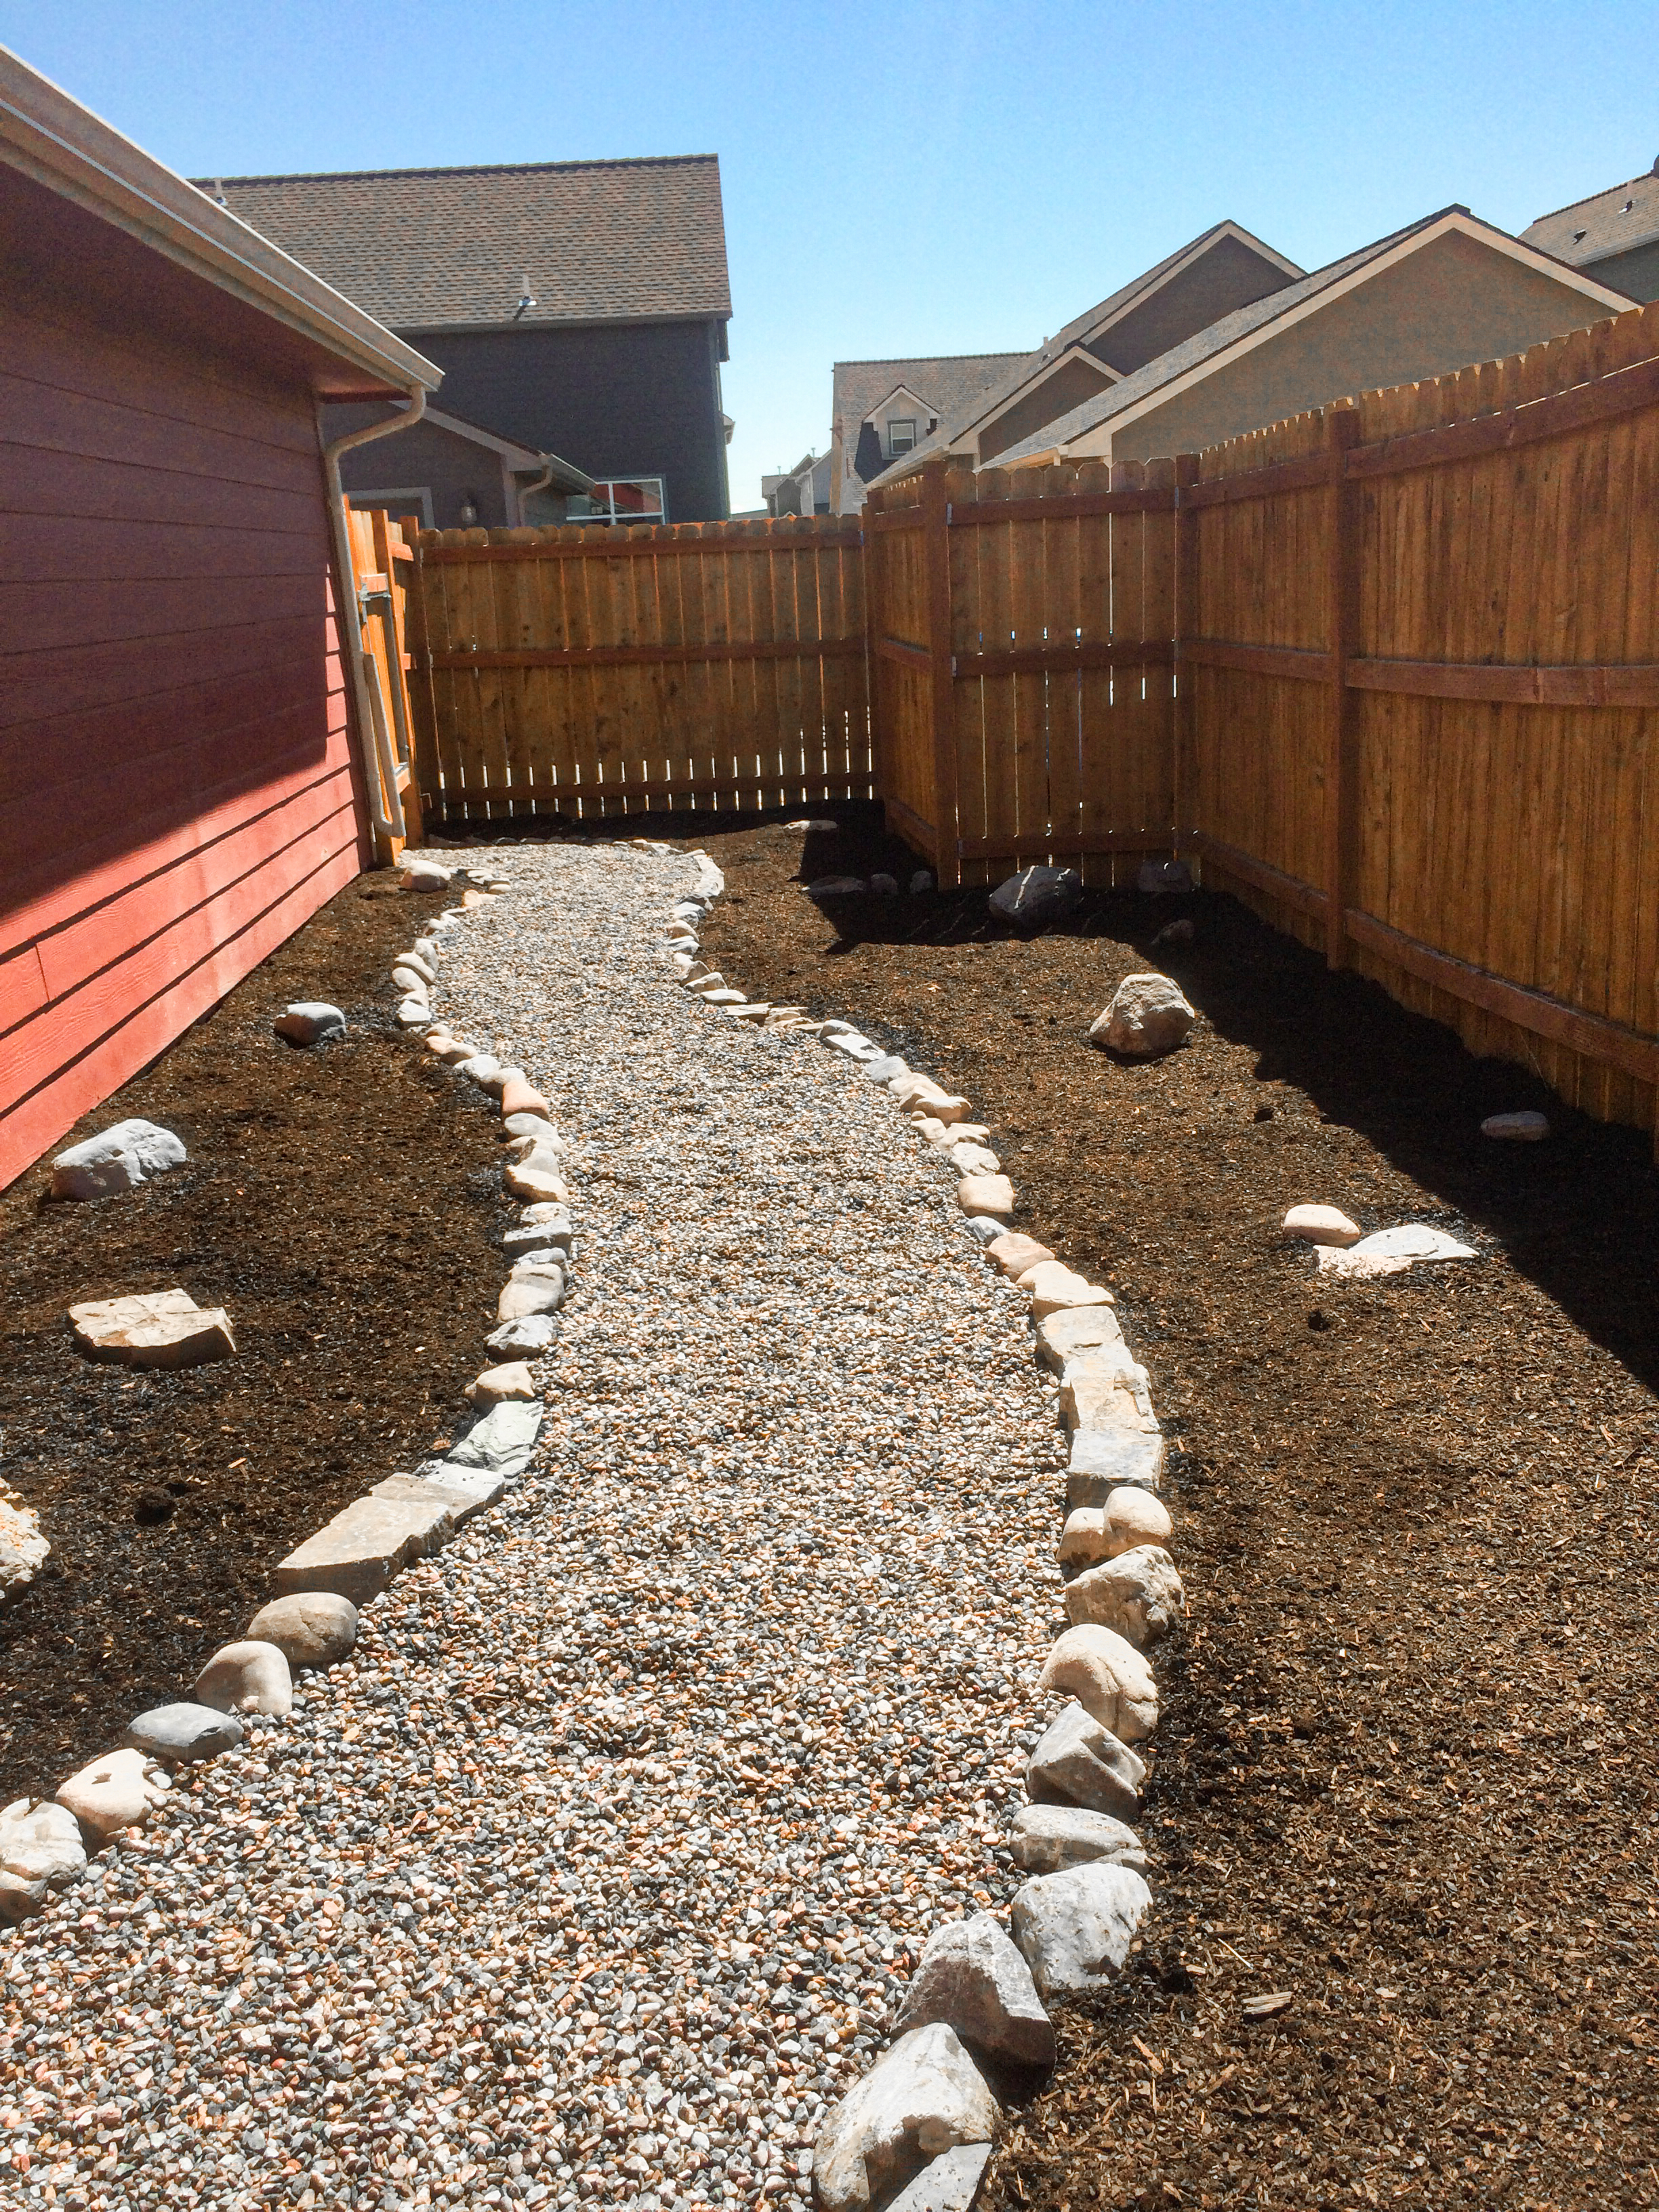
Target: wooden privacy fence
(1391,670)
(589,671)
(1021,631)
(383,575)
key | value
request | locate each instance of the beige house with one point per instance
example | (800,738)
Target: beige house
(884,409)
(1446,292)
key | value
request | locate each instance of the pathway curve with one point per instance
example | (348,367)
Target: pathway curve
(594,1876)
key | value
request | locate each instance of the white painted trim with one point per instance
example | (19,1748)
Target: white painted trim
(1096,443)
(887,399)
(47,136)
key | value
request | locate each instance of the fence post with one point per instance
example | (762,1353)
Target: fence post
(867,565)
(936,549)
(1183,624)
(1342,632)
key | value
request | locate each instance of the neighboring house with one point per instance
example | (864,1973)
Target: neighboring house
(805,490)
(576,308)
(1613,235)
(443,466)
(884,409)
(1442,294)
(182,750)
(1224,268)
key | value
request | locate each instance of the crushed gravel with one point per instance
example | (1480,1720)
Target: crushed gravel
(597,1874)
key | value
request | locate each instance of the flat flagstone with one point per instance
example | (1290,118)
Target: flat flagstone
(156,1328)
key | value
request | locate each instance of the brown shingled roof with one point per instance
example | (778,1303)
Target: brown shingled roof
(422,248)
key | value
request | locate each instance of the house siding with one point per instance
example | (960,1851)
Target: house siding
(1450,303)
(177,790)
(1226,276)
(447,466)
(640,399)
(1068,387)
(1636,272)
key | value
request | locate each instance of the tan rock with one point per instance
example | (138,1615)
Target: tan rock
(363,1548)
(440,1043)
(23,1549)
(537,1180)
(249,1677)
(1016,1255)
(1069,1331)
(711,980)
(920,1094)
(520,1097)
(160,1328)
(992,1194)
(472,898)
(973,1160)
(118,1791)
(1322,1224)
(1148,1016)
(1138,1594)
(1134,1516)
(1108,1677)
(1052,1286)
(313,1628)
(1104,1388)
(511,1380)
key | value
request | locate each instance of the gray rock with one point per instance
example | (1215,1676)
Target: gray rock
(921,881)
(414,1014)
(1038,896)
(1078,1762)
(886,1067)
(23,1550)
(480,1068)
(984,1228)
(309,1021)
(837,887)
(948,2183)
(502,1442)
(1046,1837)
(250,1677)
(313,1628)
(1107,1676)
(117,1159)
(1524,1127)
(1102,1459)
(922,2097)
(526,1337)
(1138,1594)
(537,1286)
(1175,932)
(1076,1927)
(972,1977)
(543,1229)
(183,1734)
(1163,877)
(464,1490)
(885,886)
(40,1851)
(536,1127)
(1148,1016)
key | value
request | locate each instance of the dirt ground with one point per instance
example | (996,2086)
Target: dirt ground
(1404,1773)
(339,1203)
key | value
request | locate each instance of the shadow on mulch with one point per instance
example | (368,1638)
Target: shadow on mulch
(1403,1771)
(340,1203)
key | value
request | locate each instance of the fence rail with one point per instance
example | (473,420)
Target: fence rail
(588,671)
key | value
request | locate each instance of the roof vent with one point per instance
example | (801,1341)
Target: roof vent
(1579,236)
(1626,208)
(526,298)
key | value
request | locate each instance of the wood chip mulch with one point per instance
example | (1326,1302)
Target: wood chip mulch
(1405,1783)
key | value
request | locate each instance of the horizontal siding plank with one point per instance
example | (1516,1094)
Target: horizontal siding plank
(43,481)
(100,427)
(57,617)
(43,685)
(80,1078)
(69,549)
(22,987)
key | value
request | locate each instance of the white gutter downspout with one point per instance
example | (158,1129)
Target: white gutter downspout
(540,484)
(387,817)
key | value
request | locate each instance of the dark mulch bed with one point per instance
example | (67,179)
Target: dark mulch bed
(1405,1771)
(339,1203)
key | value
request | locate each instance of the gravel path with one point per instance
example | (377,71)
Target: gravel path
(595,1874)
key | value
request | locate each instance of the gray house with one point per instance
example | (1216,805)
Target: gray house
(578,309)
(1613,235)
(884,409)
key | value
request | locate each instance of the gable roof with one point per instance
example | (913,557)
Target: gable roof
(1030,370)
(1246,327)
(1612,222)
(946,381)
(430,249)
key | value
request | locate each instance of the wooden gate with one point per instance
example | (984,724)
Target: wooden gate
(590,671)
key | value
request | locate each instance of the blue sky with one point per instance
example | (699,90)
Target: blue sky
(909,178)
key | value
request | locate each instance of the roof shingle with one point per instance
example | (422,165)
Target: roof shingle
(422,249)
(1608,222)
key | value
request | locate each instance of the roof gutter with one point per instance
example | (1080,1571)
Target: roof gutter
(565,473)
(386,813)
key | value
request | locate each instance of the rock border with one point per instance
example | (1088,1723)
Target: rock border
(44,1841)
(918,2126)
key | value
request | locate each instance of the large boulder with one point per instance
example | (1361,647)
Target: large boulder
(1148,1015)
(1076,1927)
(1038,897)
(923,2098)
(972,1977)
(1108,1677)
(117,1159)
(1078,1762)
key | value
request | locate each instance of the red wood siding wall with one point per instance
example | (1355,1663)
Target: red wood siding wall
(176,786)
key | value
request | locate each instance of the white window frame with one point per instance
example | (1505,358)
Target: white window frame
(895,451)
(399,501)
